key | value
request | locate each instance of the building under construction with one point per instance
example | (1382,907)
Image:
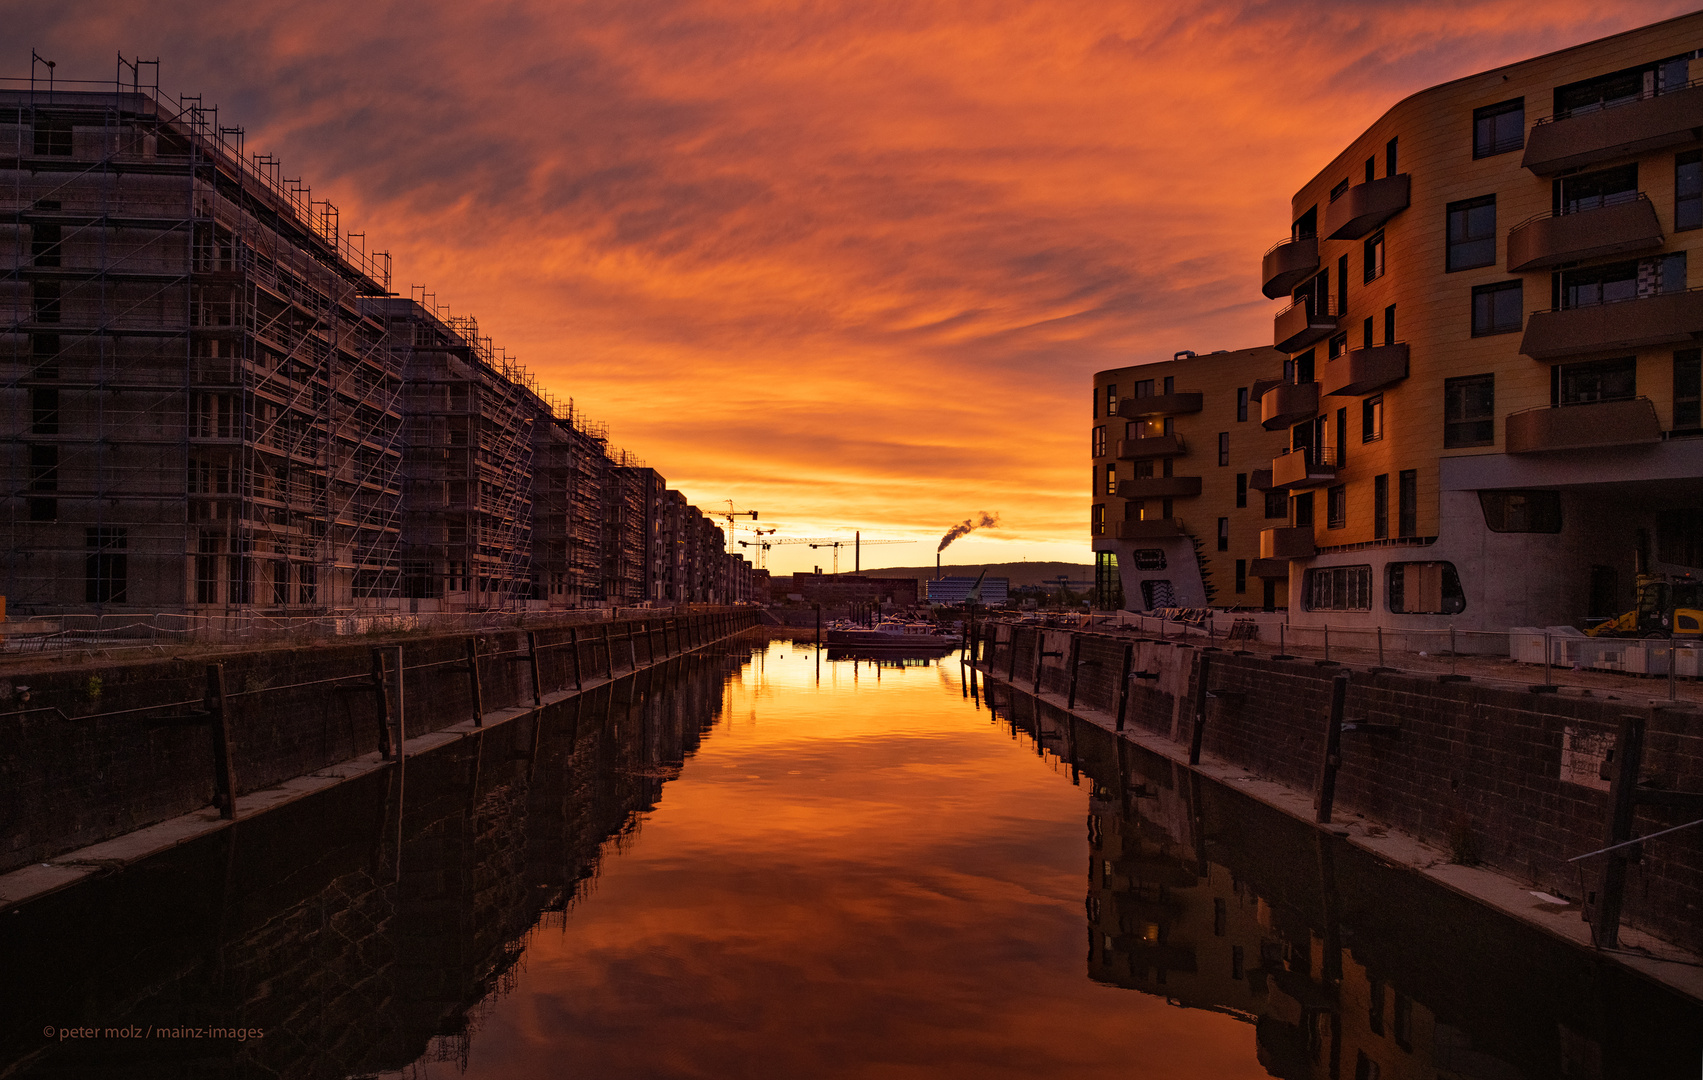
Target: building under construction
(214,404)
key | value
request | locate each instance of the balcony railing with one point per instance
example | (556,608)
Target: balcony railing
(1159,487)
(1583,427)
(1153,446)
(1304,323)
(1172,404)
(1287,263)
(1618,228)
(1659,319)
(1364,207)
(1148,529)
(1287,542)
(1647,122)
(1362,371)
(1308,467)
(1287,404)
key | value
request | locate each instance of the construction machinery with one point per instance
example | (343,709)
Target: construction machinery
(1668,605)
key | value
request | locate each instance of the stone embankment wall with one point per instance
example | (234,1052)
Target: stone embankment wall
(1511,777)
(88,754)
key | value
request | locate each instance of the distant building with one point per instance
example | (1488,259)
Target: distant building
(956,590)
(845,589)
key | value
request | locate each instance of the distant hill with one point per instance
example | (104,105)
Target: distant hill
(1020,573)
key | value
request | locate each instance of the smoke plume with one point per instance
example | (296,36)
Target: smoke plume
(968,525)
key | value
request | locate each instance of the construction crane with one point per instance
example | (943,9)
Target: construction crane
(763,545)
(856,544)
(733,512)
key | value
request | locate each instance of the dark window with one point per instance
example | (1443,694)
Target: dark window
(1242,403)
(1099,441)
(1341,284)
(1390,325)
(1499,128)
(1171,383)
(45,301)
(1679,537)
(1372,418)
(1096,403)
(1366,333)
(1688,189)
(1276,504)
(1338,346)
(1371,169)
(1099,519)
(1241,490)
(1223,448)
(1407,504)
(1341,437)
(1390,158)
(1241,576)
(1304,368)
(1112,400)
(1336,192)
(1238,962)
(1425,588)
(1469,411)
(1336,507)
(1303,507)
(1472,233)
(1595,190)
(1306,225)
(1402,1021)
(52,137)
(44,244)
(1381,506)
(1339,588)
(1374,256)
(1620,87)
(1223,534)
(1598,380)
(44,476)
(44,411)
(1144,388)
(105,571)
(1497,309)
(1521,511)
(1688,390)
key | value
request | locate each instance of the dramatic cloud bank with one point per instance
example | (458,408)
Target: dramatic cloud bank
(849,263)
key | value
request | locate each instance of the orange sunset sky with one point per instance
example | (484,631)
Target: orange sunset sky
(849,263)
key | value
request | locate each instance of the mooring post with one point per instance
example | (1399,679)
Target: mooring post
(1381,648)
(633,647)
(1622,804)
(1326,796)
(1123,684)
(1282,642)
(1013,652)
(473,682)
(1327,640)
(1454,655)
(1040,656)
(818,624)
(381,696)
(608,654)
(224,773)
(1200,698)
(573,647)
(1075,667)
(532,664)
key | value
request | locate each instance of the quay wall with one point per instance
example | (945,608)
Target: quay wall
(91,753)
(1508,777)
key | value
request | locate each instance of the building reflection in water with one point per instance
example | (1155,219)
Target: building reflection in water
(1346,967)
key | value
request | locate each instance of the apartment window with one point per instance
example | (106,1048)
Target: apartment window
(1096,403)
(52,137)
(1688,190)
(1238,962)
(1144,469)
(44,410)
(1336,507)
(1241,576)
(1336,192)
(1276,505)
(1374,256)
(1499,128)
(1407,503)
(1521,511)
(1341,443)
(1099,521)
(1171,383)
(1620,87)
(1372,418)
(1099,441)
(1390,158)
(1223,448)
(1306,225)
(105,573)
(1595,190)
(44,477)
(1242,404)
(1688,390)
(1425,588)
(1497,309)
(1241,490)
(1472,233)
(1302,505)
(1366,333)
(1469,408)
(1381,506)
(1223,534)
(44,300)
(1341,284)
(1390,325)
(1111,400)
(44,244)
(1111,478)
(1144,388)
(1597,380)
(1613,282)
(1338,345)
(1338,588)
(1371,168)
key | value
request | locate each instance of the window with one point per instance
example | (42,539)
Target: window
(1688,390)
(1223,448)
(44,244)
(1402,1021)
(1238,962)
(44,299)
(44,411)
(1171,382)
(1341,284)
(1223,534)
(1241,576)
(1111,400)
(1390,158)
(1303,507)
(1613,282)
(1276,505)
(1374,249)
(1364,1067)
(1407,503)
(1521,511)
(1371,168)
(1336,192)
(1679,537)
(1242,404)
(1096,403)
(1099,441)
(1499,128)
(1472,233)
(1598,380)
(1425,588)
(1304,368)
(104,571)
(1338,345)
(1390,325)
(1306,225)
(1497,309)
(52,137)
(1150,559)
(1241,490)
(1366,333)
(1144,388)
(1339,588)
(1111,478)
(1381,506)
(1144,469)
(1469,408)
(1688,189)
(1595,190)
(1099,519)
(1372,418)
(1620,87)
(44,476)
(1341,444)
(1336,507)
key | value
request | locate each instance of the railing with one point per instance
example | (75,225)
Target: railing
(1316,307)
(1316,456)
(1621,300)
(1605,106)
(1288,241)
(1617,199)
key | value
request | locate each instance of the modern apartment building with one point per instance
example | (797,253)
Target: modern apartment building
(1489,399)
(211,403)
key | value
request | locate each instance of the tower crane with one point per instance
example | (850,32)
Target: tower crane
(856,544)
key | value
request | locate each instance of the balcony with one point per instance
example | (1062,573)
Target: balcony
(1309,467)
(1260,480)
(1153,446)
(1662,319)
(1287,404)
(1303,324)
(1288,263)
(1159,487)
(1618,229)
(1174,404)
(1364,370)
(1287,542)
(1583,427)
(1149,529)
(1269,568)
(1364,207)
(1649,123)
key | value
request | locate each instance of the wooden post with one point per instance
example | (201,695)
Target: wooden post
(1040,655)
(473,682)
(224,773)
(608,655)
(532,664)
(1326,796)
(650,639)
(818,624)
(633,647)
(573,647)
(1622,803)
(1123,685)
(381,694)
(1075,667)
(1013,651)
(1200,697)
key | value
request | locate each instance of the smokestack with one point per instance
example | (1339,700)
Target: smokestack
(937,566)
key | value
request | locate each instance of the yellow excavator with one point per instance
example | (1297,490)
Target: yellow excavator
(1667,606)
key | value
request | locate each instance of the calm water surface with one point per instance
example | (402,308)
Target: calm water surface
(765,863)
